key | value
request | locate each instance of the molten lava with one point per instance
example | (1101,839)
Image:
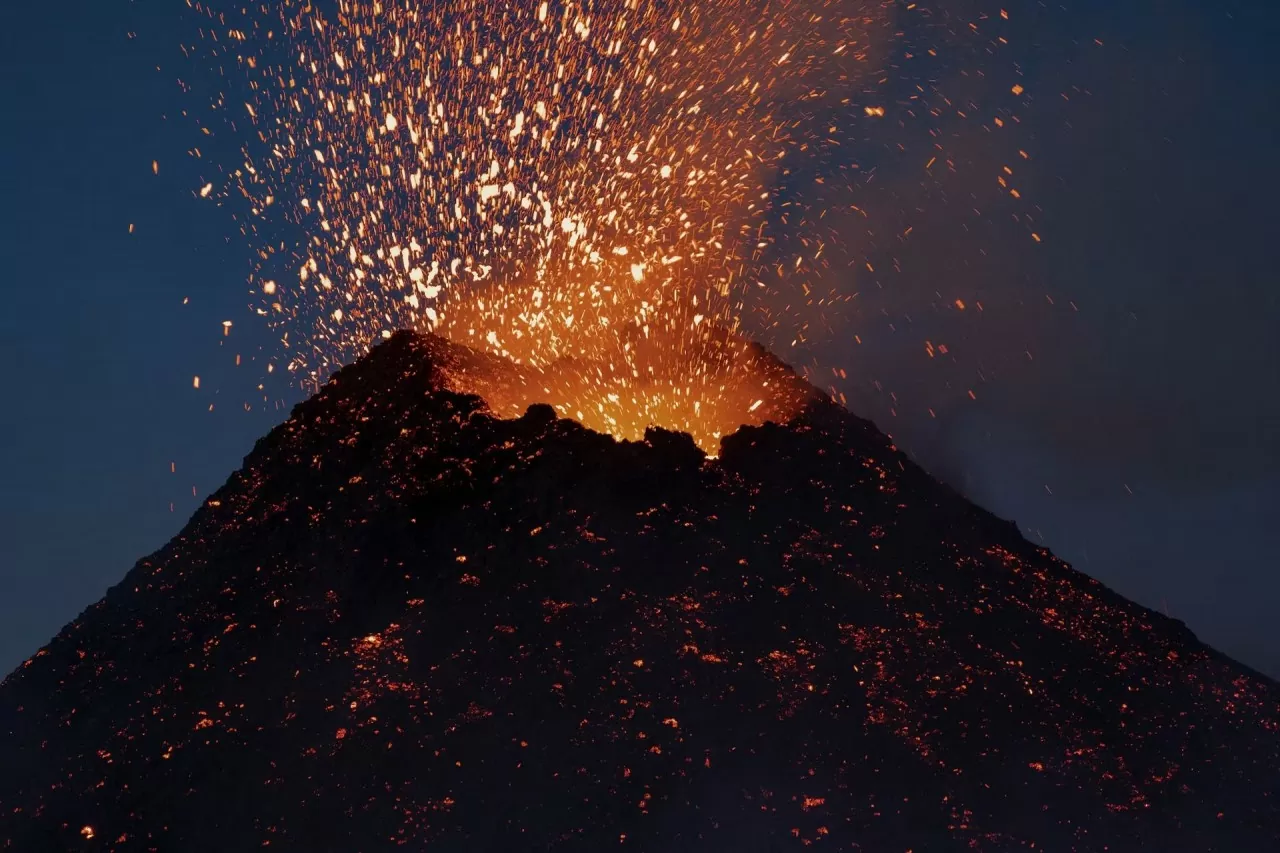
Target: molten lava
(720,383)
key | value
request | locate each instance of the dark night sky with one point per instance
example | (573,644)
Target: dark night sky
(1157,179)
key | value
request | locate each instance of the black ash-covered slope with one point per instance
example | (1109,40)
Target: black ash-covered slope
(405,622)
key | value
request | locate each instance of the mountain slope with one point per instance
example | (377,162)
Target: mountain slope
(406,622)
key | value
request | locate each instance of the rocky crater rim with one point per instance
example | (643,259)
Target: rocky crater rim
(750,387)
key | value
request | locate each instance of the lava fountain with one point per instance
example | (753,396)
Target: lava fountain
(581,187)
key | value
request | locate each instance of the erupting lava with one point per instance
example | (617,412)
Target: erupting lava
(582,187)
(738,383)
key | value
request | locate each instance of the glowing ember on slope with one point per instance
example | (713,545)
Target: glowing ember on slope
(407,622)
(544,181)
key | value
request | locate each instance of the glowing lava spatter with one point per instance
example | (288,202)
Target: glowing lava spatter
(541,180)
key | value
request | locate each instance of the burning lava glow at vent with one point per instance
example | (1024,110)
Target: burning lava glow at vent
(583,188)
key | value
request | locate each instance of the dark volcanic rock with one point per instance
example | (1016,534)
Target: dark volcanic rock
(405,622)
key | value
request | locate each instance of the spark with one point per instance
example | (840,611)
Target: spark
(533,181)
(591,195)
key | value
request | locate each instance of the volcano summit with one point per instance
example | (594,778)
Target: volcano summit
(406,622)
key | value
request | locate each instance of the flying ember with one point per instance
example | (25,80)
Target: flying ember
(558,183)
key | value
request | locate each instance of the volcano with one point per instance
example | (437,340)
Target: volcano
(406,622)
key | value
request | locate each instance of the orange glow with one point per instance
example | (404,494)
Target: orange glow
(722,383)
(587,194)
